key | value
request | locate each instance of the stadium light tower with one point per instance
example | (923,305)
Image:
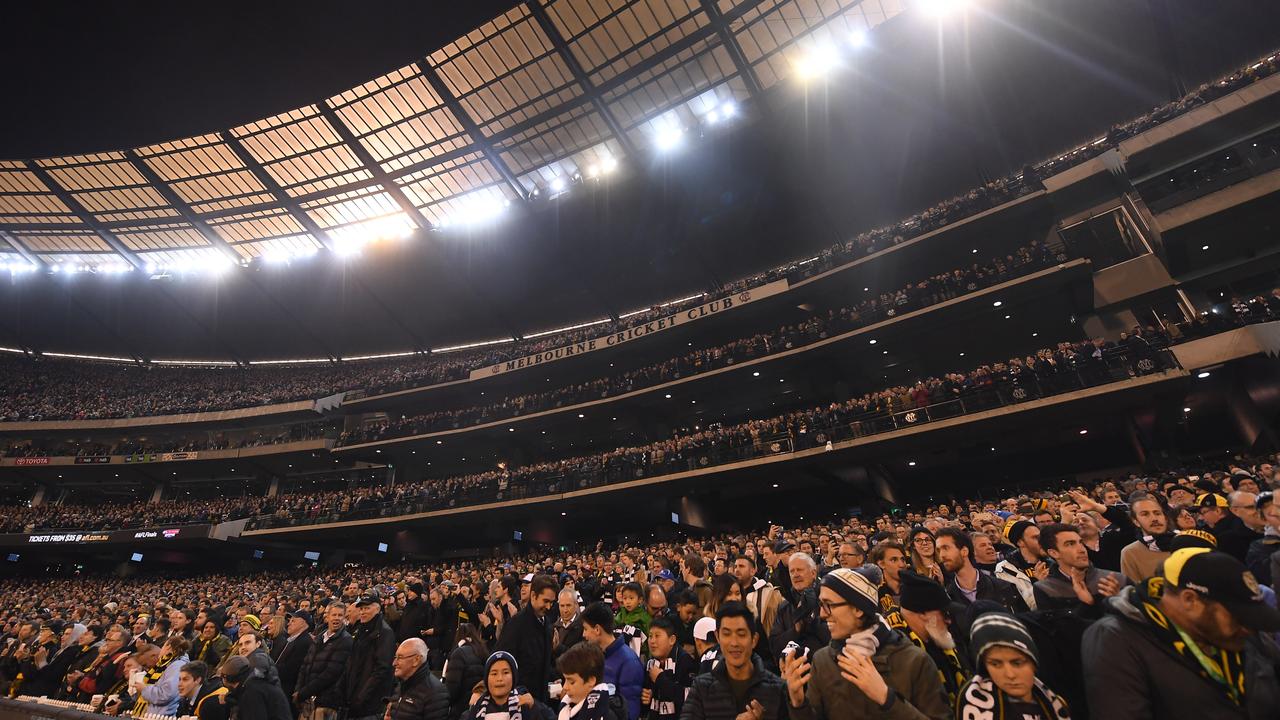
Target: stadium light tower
(817,62)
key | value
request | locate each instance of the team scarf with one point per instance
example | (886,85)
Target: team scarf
(486,705)
(151,678)
(591,707)
(953,676)
(1223,667)
(980,698)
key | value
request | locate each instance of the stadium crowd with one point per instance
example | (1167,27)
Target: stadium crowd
(1136,597)
(49,447)
(53,389)
(1048,371)
(923,293)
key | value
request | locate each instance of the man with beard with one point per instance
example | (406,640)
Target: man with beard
(1073,581)
(1141,558)
(926,612)
(1187,644)
(965,583)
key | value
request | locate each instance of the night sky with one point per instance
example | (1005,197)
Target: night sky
(82,77)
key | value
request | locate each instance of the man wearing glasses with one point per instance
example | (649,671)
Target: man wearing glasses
(868,669)
(420,695)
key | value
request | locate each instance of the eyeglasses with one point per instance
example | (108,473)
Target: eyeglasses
(828,606)
(404,657)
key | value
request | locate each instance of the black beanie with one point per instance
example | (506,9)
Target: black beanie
(1001,629)
(921,594)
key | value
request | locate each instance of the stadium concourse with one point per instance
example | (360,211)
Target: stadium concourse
(281,437)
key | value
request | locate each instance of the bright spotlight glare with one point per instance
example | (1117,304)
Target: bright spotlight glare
(54,268)
(728,109)
(346,248)
(276,258)
(712,116)
(817,62)
(593,170)
(942,8)
(669,137)
(557,184)
(859,38)
(609,164)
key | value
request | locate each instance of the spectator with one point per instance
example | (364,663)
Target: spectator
(501,696)
(622,667)
(926,613)
(668,674)
(1186,645)
(799,616)
(202,693)
(253,696)
(158,691)
(1262,553)
(848,682)
(319,689)
(420,695)
(1025,564)
(566,631)
(465,668)
(1006,685)
(293,650)
(1234,537)
(1073,580)
(527,637)
(368,679)
(965,583)
(739,685)
(1141,559)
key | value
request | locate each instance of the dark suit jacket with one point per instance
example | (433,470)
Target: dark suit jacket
(528,639)
(289,660)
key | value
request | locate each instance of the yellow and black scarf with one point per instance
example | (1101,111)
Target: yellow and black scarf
(1223,667)
(152,677)
(954,675)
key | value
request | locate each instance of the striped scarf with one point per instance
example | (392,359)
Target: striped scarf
(954,675)
(151,678)
(980,698)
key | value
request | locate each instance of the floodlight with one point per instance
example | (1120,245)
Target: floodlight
(942,8)
(669,137)
(557,184)
(859,38)
(609,164)
(817,62)
(728,109)
(712,116)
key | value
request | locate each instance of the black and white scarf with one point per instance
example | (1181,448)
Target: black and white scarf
(592,707)
(980,698)
(486,705)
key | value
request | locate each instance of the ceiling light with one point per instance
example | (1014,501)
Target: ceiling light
(1084,431)
(557,184)
(859,38)
(817,61)
(668,396)
(580,415)
(755,374)
(1204,247)
(669,136)
(911,463)
(1186,409)
(728,109)
(871,342)
(1203,374)
(997,303)
(609,164)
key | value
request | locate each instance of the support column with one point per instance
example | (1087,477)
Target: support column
(37,498)
(274,489)
(1249,420)
(157,492)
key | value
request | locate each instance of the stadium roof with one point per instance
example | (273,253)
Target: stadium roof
(548,89)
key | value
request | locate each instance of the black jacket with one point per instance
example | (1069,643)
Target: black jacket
(710,697)
(413,620)
(260,699)
(802,610)
(989,588)
(321,673)
(207,702)
(464,669)
(1129,673)
(528,639)
(290,659)
(48,679)
(368,680)
(421,697)
(1234,537)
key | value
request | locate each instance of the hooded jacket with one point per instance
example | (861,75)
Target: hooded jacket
(1129,673)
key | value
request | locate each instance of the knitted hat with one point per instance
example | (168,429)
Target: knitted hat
(1001,629)
(921,594)
(503,656)
(1205,500)
(854,587)
(252,621)
(1013,531)
(415,587)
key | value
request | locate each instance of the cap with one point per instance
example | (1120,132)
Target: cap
(921,594)
(1264,499)
(302,615)
(704,629)
(665,574)
(1224,579)
(368,598)
(236,669)
(782,545)
(528,578)
(252,621)
(1205,500)
(415,588)
(449,584)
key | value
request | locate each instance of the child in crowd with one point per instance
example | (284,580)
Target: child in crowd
(668,674)
(632,621)
(584,696)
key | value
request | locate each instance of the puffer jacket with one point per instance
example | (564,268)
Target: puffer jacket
(368,681)
(421,697)
(801,609)
(908,671)
(462,671)
(711,698)
(1129,673)
(321,673)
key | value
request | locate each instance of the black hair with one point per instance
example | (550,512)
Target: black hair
(196,669)
(959,537)
(732,610)
(1049,534)
(598,614)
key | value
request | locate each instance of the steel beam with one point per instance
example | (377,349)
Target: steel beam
(597,100)
(85,216)
(22,250)
(730,43)
(478,139)
(273,187)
